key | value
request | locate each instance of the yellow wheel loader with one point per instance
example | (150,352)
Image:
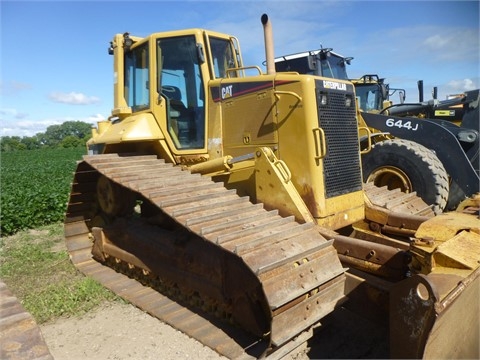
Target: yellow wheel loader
(229,203)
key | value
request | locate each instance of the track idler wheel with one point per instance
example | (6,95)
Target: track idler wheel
(114,199)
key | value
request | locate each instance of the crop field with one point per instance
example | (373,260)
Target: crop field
(33,260)
(35,186)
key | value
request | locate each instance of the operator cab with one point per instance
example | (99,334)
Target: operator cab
(173,69)
(370,92)
(323,62)
(373,94)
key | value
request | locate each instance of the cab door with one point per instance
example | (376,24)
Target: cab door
(180,94)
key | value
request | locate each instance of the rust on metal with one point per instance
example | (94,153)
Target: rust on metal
(214,257)
(20,336)
(391,217)
(419,305)
(395,209)
(470,205)
(379,259)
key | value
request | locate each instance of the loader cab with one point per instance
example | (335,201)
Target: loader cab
(374,95)
(371,92)
(323,62)
(369,96)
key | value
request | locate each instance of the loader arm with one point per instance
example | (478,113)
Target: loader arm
(457,162)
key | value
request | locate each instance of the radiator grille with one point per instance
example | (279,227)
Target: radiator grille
(341,166)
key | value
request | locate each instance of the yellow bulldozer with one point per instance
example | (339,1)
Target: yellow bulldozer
(430,147)
(229,203)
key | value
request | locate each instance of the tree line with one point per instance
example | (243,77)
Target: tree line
(70,134)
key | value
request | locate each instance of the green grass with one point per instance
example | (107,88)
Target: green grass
(37,270)
(34,263)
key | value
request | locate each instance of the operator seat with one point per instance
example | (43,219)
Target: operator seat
(180,116)
(174,95)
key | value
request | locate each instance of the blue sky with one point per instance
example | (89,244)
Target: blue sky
(55,66)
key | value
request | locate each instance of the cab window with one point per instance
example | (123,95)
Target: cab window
(137,91)
(182,87)
(223,57)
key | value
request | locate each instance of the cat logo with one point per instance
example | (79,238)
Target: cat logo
(334,85)
(227,91)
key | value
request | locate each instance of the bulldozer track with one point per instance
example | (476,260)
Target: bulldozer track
(20,336)
(297,270)
(397,201)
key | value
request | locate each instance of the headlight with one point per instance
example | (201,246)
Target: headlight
(323,99)
(348,101)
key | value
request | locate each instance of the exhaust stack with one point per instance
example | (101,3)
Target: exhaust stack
(420,90)
(269,55)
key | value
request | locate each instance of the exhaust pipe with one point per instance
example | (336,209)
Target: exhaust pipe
(269,55)
(420,90)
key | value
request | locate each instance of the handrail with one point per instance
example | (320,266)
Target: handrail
(294,94)
(244,68)
(320,143)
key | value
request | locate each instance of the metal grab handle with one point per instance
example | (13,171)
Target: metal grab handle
(369,139)
(283,169)
(243,68)
(320,143)
(294,94)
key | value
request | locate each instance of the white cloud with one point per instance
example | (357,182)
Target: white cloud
(73,98)
(462,85)
(436,42)
(94,118)
(33,127)
(26,127)
(455,44)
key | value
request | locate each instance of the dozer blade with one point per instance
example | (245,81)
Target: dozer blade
(241,280)
(423,324)
(436,314)
(427,278)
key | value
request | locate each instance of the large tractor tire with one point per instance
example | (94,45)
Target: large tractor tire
(407,165)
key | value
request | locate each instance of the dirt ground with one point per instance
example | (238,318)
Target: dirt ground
(120,331)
